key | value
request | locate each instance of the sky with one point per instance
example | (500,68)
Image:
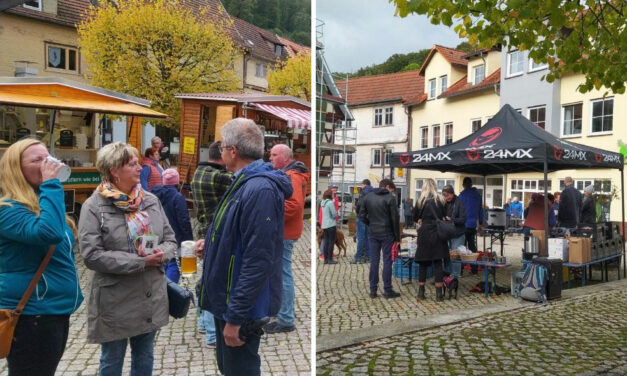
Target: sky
(359,33)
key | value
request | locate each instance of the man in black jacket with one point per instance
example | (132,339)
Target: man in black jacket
(570,205)
(380,212)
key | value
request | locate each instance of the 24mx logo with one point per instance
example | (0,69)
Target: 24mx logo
(504,153)
(430,157)
(575,154)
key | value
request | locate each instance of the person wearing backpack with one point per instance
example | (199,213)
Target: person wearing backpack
(431,249)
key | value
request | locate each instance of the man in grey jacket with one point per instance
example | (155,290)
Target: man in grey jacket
(380,212)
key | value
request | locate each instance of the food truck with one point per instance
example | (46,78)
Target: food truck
(73,120)
(282,119)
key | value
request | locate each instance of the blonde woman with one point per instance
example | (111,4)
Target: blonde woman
(128,301)
(431,250)
(32,218)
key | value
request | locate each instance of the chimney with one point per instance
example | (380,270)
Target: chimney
(50,6)
(23,70)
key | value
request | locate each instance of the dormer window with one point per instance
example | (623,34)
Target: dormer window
(432,88)
(478,74)
(33,4)
(278,49)
(443,84)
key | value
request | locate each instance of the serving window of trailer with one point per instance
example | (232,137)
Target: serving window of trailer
(74,134)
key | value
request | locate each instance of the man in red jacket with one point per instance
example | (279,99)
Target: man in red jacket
(282,158)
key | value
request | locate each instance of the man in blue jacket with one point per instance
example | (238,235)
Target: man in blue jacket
(243,249)
(474,214)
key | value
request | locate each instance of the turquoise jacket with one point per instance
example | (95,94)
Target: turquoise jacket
(328,214)
(24,241)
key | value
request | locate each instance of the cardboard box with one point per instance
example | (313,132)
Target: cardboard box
(558,248)
(579,250)
(540,235)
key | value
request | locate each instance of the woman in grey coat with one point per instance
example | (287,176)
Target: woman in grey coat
(128,297)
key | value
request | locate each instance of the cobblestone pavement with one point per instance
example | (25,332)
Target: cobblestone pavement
(344,305)
(179,348)
(579,336)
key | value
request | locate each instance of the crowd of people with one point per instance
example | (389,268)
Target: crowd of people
(378,230)
(250,214)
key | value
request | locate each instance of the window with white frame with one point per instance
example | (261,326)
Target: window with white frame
(389,111)
(515,63)
(337,158)
(537,115)
(571,115)
(375,157)
(60,58)
(386,157)
(432,88)
(443,84)
(419,184)
(519,110)
(424,137)
(261,70)
(33,4)
(436,136)
(475,125)
(278,49)
(378,117)
(533,66)
(349,159)
(478,74)
(442,182)
(580,185)
(602,115)
(448,133)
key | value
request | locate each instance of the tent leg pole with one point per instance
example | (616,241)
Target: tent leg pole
(484,205)
(622,199)
(547,231)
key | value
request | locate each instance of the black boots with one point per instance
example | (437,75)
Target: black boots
(421,293)
(439,294)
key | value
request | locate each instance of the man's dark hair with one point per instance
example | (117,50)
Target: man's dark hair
(214,151)
(387,183)
(365,181)
(448,189)
(467,181)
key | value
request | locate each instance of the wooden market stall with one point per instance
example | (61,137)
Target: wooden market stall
(73,119)
(283,120)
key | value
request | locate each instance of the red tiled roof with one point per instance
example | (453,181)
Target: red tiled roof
(293,48)
(412,101)
(463,86)
(72,12)
(69,12)
(453,56)
(381,88)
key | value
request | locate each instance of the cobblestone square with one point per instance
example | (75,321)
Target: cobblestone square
(179,348)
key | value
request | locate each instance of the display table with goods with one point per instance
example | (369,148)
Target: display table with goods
(598,244)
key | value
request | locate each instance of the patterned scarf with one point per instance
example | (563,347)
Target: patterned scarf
(137,220)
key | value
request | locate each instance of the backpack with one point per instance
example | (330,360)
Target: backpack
(533,284)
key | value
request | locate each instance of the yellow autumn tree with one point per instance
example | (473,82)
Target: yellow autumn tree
(155,49)
(292,77)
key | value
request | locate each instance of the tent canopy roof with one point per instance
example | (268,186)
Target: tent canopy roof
(508,143)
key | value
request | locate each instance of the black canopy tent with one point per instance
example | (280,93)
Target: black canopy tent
(510,143)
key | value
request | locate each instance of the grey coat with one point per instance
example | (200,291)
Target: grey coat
(125,299)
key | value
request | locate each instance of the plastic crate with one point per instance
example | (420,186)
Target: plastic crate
(400,269)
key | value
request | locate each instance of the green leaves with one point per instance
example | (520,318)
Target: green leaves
(588,38)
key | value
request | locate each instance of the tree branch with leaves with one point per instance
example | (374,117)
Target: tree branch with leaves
(292,77)
(581,37)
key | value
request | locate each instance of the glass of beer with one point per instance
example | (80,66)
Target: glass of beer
(188,258)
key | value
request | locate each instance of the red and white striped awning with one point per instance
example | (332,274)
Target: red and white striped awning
(298,119)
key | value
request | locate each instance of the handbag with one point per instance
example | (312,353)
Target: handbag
(445,229)
(9,317)
(179,299)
